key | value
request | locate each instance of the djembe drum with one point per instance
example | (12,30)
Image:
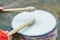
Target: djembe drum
(45,27)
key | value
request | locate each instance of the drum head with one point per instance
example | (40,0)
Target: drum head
(45,22)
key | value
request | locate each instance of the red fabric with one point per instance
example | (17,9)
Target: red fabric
(3,35)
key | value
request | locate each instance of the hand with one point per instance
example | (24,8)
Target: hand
(1,8)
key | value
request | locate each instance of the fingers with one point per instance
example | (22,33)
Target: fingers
(1,9)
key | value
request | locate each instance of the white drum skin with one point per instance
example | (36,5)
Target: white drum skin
(44,28)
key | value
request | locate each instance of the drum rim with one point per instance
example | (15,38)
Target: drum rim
(42,34)
(56,26)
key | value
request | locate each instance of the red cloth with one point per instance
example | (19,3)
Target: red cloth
(3,35)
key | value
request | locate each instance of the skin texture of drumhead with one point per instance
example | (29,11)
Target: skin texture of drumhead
(45,22)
